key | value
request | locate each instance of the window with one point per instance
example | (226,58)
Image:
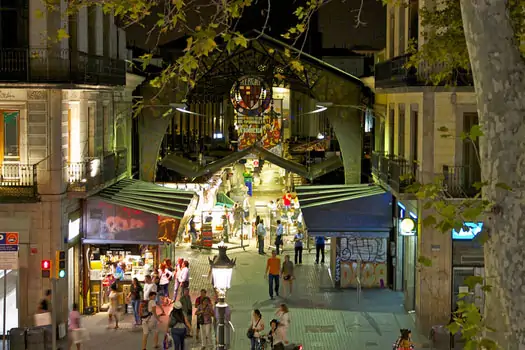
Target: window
(10,131)
(401,131)
(91,131)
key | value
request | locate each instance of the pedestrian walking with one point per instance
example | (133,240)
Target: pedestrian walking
(193,231)
(278,335)
(113,311)
(287,274)
(283,315)
(279,236)
(187,306)
(45,303)
(256,327)
(77,335)
(165,277)
(151,322)
(178,325)
(176,284)
(261,232)
(198,301)
(205,316)
(319,248)
(134,295)
(184,275)
(273,269)
(298,247)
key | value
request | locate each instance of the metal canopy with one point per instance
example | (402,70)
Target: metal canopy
(148,197)
(335,210)
(265,57)
(194,170)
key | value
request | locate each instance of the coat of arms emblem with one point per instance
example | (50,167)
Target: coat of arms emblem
(251,96)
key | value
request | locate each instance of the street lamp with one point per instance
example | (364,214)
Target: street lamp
(221,269)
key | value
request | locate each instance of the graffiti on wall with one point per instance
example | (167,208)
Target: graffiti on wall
(364,258)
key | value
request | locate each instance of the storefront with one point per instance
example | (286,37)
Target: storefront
(404,251)
(358,220)
(126,227)
(74,251)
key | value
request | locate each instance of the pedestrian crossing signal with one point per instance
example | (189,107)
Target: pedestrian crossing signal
(45,266)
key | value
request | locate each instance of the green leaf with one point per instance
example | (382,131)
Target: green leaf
(504,186)
(486,288)
(423,260)
(475,132)
(453,328)
(429,221)
(241,41)
(443,129)
(62,34)
(473,281)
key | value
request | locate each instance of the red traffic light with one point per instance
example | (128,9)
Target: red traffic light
(46,264)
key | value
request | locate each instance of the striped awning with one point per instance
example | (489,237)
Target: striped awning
(149,197)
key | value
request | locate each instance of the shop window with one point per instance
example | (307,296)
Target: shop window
(10,131)
(11,303)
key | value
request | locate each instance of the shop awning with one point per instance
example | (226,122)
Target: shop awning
(148,197)
(346,209)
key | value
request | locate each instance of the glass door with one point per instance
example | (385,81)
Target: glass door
(10,277)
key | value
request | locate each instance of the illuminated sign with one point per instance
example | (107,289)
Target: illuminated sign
(468,231)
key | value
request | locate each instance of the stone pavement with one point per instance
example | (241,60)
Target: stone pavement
(322,317)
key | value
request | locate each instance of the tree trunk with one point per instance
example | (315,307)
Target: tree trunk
(499,71)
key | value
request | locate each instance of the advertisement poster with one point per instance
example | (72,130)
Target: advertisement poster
(109,222)
(264,130)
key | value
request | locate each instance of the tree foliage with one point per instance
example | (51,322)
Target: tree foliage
(443,53)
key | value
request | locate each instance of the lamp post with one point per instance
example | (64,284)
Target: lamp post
(221,269)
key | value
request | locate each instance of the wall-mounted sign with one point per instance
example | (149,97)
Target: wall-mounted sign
(406,227)
(251,96)
(468,231)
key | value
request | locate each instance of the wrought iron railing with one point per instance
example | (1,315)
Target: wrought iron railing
(18,180)
(396,73)
(54,65)
(394,171)
(460,181)
(93,172)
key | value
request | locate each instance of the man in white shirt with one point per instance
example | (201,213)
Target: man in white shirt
(279,236)
(261,232)
(183,277)
(149,287)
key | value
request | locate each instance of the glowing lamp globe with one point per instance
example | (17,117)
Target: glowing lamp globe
(221,269)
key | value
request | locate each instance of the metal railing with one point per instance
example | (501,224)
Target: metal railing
(18,180)
(396,73)
(458,181)
(55,65)
(93,172)
(395,171)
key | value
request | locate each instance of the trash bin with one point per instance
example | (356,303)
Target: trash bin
(48,336)
(36,338)
(17,338)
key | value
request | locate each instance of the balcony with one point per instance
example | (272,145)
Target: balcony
(395,73)
(396,172)
(59,66)
(458,181)
(18,182)
(96,172)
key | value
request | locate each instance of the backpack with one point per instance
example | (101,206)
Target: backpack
(143,309)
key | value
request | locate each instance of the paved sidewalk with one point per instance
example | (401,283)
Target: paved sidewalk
(322,318)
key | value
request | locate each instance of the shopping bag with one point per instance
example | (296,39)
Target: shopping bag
(167,344)
(43,319)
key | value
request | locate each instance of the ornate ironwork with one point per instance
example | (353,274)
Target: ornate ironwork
(18,182)
(48,65)
(220,71)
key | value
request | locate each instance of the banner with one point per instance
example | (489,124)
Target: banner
(109,222)
(264,130)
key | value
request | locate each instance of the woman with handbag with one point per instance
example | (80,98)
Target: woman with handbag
(287,274)
(256,327)
(178,325)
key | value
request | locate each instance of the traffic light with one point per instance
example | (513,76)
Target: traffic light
(45,266)
(60,264)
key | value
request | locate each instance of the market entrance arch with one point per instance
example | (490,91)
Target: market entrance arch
(272,61)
